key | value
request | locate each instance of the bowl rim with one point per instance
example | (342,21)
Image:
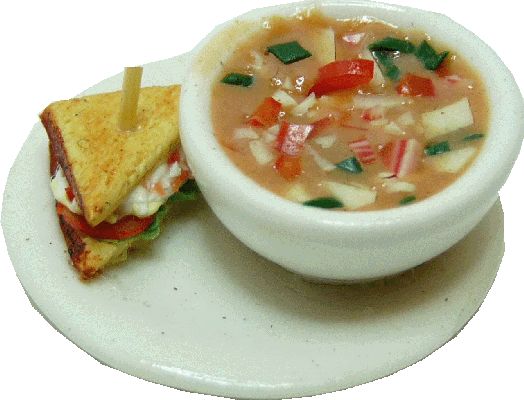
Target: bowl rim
(451,202)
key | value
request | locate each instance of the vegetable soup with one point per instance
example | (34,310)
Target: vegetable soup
(354,115)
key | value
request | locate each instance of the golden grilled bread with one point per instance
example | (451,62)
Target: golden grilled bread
(101,163)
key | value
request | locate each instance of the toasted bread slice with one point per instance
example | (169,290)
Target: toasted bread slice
(90,256)
(101,163)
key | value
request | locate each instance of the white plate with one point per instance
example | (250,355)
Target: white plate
(199,311)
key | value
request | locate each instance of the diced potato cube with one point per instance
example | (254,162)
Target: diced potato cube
(406,119)
(351,196)
(298,193)
(325,141)
(261,152)
(324,165)
(378,77)
(245,133)
(323,45)
(447,119)
(452,161)
(363,101)
(394,186)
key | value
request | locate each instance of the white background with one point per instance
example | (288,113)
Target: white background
(55,49)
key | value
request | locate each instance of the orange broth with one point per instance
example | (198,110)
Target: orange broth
(397,162)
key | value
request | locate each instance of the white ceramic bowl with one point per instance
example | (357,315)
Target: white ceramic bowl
(338,245)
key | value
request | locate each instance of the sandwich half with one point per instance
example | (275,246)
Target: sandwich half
(113,188)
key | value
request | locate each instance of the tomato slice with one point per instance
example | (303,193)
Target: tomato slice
(341,75)
(288,167)
(124,228)
(267,113)
(413,85)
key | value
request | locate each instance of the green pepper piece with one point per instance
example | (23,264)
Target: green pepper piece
(474,136)
(324,202)
(437,148)
(238,79)
(392,44)
(386,64)
(407,200)
(429,57)
(350,165)
(289,52)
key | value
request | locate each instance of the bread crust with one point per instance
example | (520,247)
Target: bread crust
(101,163)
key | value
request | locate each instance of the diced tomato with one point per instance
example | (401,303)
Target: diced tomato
(402,157)
(174,157)
(442,70)
(180,180)
(341,75)
(291,137)
(70,194)
(363,150)
(288,167)
(124,228)
(413,85)
(372,114)
(267,113)
(319,126)
(159,188)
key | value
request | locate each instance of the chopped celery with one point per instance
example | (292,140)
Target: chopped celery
(429,57)
(350,165)
(324,202)
(474,136)
(289,52)
(393,44)
(407,200)
(437,148)
(238,79)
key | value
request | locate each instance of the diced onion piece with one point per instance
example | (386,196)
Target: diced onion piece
(245,133)
(379,122)
(323,45)
(261,152)
(447,119)
(288,85)
(258,60)
(394,186)
(297,193)
(324,164)
(364,101)
(351,196)
(285,99)
(305,105)
(406,119)
(271,133)
(378,76)
(326,141)
(393,129)
(452,161)
(353,38)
